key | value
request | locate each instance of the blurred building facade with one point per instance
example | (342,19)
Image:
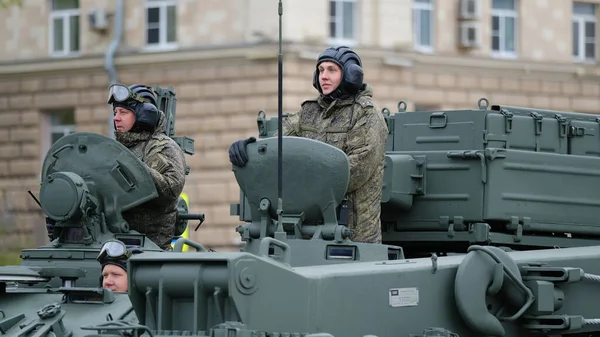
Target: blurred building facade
(221,56)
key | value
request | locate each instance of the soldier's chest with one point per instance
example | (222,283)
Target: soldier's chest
(138,150)
(332,129)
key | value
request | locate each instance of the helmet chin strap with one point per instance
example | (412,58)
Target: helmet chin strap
(337,93)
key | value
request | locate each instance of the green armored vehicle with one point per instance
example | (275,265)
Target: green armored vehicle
(301,276)
(490,222)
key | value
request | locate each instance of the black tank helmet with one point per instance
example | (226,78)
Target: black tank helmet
(352,72)
(144,92)
(145,118)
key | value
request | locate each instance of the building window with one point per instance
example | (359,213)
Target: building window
(161,23)
(504,27)
(62,123)
(584,31)
(423,24)
(64,27)
(342,24)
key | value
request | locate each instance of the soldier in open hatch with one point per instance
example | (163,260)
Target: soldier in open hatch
(140,126)
(113,258)
(344,115)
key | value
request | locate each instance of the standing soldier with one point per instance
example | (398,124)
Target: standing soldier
(140,127)
(345,116)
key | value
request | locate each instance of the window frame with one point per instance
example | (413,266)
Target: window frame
(163,25)
(581,20)
(64,15)
(417,34)
(338,19)
(49,129)
(502,14)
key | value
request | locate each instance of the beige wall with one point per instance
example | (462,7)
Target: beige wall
(544,26)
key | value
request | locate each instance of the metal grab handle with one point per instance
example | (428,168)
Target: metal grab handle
(178,247)
(265,243)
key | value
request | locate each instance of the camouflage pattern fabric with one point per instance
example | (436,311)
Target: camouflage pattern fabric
(165,161)
(355,126)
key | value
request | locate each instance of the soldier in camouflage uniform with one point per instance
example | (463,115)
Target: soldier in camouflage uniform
(345,116)
(140,126)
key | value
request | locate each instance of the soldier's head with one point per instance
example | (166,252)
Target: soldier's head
(338,72)
(113,258)
(134,107)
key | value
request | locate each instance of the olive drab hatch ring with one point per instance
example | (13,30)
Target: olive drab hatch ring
(49,310)
(481,105)
(489,271)
(402,106)
(261,120)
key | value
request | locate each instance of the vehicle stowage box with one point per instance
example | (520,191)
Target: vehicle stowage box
(506,166)
(506,187)
(504,127)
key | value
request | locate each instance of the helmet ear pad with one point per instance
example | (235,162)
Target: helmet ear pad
(146,116)
(352,79)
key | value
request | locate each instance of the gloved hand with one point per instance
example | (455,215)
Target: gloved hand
(50,228)
(237,152)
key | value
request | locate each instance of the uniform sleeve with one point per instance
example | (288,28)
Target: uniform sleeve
(366,146)
(166,163)
(290,125)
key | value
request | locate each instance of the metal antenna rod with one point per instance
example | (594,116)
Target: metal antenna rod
(280,123)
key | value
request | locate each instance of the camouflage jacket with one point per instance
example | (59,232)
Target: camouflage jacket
(355,126)
(165,161)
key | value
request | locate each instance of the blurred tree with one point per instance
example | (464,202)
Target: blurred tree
(10,3)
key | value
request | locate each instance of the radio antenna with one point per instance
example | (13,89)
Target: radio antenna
(280,124)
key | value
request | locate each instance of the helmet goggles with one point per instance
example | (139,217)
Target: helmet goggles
(114,249)
(121,93)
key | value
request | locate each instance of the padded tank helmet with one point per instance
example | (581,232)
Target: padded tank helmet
(351,65)
(144,92)
(146,112)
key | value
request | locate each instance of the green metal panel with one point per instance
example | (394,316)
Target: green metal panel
(453,191)
(584,136)
(544,192)
(439,130)
(532,133)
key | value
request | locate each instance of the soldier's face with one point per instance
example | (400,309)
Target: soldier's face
(124,119)
(330,76)
(114,278)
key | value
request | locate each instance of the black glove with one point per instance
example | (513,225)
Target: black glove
(50,228)
(237,152)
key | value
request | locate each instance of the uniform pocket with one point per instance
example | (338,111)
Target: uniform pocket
(337,139)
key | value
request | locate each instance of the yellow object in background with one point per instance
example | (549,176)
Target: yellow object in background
(186,233)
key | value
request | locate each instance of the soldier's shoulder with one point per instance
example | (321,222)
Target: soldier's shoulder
(164,141)
(309,102)
(366,102)
(370,112)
